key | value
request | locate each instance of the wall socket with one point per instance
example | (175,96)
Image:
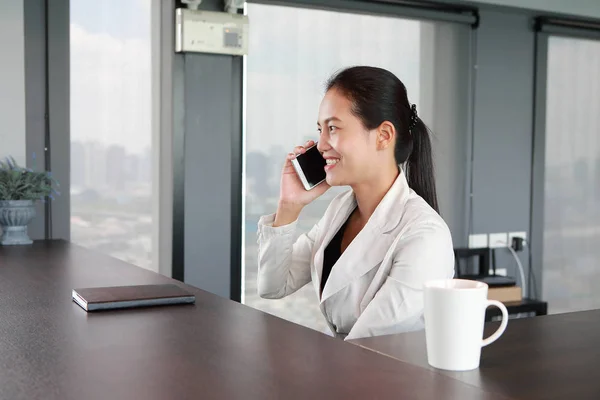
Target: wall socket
(494,240)
(478,241)
(498,240)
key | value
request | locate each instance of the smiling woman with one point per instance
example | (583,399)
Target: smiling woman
(284,87)
(378,243)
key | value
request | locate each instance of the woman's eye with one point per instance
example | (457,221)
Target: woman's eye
(332,128)
(319,130)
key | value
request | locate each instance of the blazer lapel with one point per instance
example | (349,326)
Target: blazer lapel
(370,245)
(330,227)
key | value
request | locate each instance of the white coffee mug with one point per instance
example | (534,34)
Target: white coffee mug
(454,318)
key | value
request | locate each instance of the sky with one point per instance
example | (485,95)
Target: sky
(111,72)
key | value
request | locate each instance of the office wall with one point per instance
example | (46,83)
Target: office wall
(12,80)
(208,168)
(60,117)
(503,121)
(207,162)
(163,36)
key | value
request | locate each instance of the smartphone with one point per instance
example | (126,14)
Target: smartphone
(310,167)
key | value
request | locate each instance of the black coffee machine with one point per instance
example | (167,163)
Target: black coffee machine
(480,265)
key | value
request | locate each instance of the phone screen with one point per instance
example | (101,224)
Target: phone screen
(312,164)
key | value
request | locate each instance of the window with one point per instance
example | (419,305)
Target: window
(572,176)
(111,176)
(292,52)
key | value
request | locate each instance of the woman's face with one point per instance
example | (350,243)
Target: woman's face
(353,153)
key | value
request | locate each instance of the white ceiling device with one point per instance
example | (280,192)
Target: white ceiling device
(232,6)
(211,32)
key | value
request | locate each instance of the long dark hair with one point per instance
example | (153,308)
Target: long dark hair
(377,95)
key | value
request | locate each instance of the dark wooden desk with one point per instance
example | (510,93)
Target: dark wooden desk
(550,357)
(216,349)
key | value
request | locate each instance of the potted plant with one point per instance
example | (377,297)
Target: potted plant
(20,188)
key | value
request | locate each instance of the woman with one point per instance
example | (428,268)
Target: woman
(377,243)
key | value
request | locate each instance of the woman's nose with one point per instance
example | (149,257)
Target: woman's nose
(323,144)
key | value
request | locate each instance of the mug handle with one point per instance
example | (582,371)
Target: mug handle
(503,324)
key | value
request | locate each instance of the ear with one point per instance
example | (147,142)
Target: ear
(386,134)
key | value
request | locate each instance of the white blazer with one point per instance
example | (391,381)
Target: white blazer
(376,286)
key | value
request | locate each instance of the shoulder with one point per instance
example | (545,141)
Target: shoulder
(419,214)
(422,227)
(423,246)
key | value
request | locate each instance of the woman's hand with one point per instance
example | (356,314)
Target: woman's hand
(292,195)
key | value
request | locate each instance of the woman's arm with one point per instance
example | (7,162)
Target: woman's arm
(398,305)
(283,265)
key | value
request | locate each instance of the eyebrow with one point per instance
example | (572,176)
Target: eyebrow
(327,120)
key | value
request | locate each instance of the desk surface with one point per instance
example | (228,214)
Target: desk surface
(549,357)
(216,349)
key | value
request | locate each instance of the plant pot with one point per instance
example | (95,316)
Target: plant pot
(15,215)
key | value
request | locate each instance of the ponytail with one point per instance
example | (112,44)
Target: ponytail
(419,166)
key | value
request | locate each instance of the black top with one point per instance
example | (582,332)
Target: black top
(333,251)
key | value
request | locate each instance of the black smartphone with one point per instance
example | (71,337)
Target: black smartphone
(310,167)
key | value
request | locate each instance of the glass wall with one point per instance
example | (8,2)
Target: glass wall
(571,273)
(111,176)
(292,52)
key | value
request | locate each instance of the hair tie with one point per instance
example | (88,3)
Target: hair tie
(414,118)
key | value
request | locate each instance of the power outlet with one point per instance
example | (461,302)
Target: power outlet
(478,241)
(498,240)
